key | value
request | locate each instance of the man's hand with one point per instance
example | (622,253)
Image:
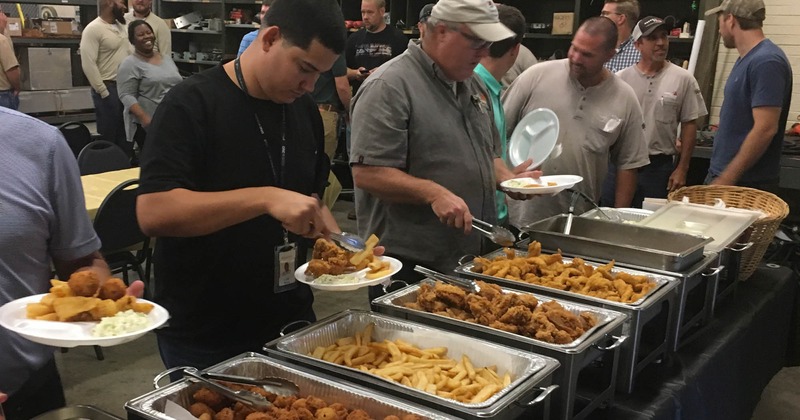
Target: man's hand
(452,211)
(299,214)
(723,180)
(521,171)
(676,180)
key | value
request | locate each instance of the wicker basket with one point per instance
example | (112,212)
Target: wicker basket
(760,233)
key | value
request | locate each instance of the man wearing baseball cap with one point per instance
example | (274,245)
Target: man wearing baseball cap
(747,146)
(425,149)
(669,95)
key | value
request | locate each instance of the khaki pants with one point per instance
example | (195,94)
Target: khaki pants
(330,124)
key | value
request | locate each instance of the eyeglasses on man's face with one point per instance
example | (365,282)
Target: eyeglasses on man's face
(606,13)
(474,42)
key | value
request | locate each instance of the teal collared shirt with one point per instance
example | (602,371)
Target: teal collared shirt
(495,88)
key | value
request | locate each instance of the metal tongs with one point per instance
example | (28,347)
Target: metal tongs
(497,234)
(574,200)
(469,285)
(349,241)
(245,397)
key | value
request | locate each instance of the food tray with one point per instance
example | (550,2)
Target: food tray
(527,370)
(626,215)
(77,412)
(574,357)
(465,270)
(151,405)
(629,243)
(397,300)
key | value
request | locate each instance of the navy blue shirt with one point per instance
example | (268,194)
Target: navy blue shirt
(762,78)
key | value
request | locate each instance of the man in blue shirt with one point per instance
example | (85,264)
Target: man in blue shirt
(747,146)
(249,37)
(491,69)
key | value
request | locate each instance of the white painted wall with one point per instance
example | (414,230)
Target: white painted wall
(781,26)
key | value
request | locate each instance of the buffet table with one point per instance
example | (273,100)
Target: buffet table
(720,375)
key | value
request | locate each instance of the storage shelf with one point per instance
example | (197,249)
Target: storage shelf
(194,31)
(45,41)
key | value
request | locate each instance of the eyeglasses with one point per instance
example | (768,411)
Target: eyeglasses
(606,13)
(474,42)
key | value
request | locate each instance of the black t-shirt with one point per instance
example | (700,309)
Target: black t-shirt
(204,137)
(370,50)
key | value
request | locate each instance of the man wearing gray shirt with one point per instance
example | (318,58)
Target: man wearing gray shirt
(600,120)
(425,152)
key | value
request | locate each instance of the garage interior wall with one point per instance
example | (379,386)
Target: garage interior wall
(782,28)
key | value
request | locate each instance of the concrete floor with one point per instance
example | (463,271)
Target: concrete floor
(128,370)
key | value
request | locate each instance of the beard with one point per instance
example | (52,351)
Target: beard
(119,14)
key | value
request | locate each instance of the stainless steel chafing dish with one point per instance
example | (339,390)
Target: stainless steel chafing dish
(151,406)
(625,215)
(531,374)
(629,243)
(653,312)
(574,356)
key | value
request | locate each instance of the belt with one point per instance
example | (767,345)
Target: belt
(328,107)
(110,82)
(661,156)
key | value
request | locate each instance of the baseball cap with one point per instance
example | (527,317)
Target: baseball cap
(425,13)
(647,26)
(480,16)
(745,9)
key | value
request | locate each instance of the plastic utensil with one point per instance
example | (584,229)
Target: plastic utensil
(348,241)
(497,234)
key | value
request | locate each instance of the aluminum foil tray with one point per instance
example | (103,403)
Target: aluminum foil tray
(626,215)
(152,405)
(77,412)
(606,319)
(526,369)
(661,280)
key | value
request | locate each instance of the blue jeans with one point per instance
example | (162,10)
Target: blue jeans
(9,100)
(108,112)
(651,181)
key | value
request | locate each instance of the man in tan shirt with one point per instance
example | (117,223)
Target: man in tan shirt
(143,9)
(9,76)
(104,44)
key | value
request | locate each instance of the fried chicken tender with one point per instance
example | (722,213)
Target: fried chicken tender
(198,409)
(329,258)
(113,288)
(225,414)
(210,398)
(451,295)
(84,283)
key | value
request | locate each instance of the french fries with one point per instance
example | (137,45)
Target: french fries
(358,259)
(428,370)
(61,304)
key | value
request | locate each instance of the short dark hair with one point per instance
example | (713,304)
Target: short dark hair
(749,24)
(600,25)
(302,21)
(513,19)
(132,29)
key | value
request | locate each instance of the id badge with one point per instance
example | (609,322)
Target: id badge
(285,265)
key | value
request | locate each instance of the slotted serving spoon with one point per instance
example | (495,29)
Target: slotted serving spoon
(497,234)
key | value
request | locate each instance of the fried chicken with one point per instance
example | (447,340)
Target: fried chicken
(453,296)
(328,258)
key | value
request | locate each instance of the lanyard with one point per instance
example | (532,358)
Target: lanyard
(237,68)
(279,180)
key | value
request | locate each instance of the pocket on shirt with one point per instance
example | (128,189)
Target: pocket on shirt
(602,134)
(667,110)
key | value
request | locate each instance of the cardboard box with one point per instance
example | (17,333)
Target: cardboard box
(563,23)
(59,27)
(14,27)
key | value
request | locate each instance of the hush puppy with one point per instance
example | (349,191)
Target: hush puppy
(84,283)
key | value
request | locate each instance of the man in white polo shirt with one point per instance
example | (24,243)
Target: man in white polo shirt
(143,9)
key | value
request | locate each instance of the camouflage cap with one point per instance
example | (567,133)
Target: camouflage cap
(745,9)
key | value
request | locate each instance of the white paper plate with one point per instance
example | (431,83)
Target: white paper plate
(396,265)
(562,182)
(534,137)
(68,334)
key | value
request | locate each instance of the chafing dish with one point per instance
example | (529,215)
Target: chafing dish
(531,374)
(77,412)
(624,215)
(648,318)
(574,357)
(151,406)
(629,243)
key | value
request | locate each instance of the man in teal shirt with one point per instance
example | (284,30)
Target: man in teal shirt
(492,69)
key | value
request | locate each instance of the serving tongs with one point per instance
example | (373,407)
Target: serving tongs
(245,397)
(469,285)
(573,201)
(497,234)
(348,241)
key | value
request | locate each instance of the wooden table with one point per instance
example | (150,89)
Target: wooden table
(97,186)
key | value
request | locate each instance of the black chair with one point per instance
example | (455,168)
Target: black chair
(102,156)
(77,135)
(116,225)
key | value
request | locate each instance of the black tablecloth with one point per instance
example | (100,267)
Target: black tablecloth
(720,375)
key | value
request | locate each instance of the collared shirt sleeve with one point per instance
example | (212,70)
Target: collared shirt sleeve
(630,150)
(381,137)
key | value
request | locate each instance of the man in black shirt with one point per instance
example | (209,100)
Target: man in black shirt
(229,185)
(373,45)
